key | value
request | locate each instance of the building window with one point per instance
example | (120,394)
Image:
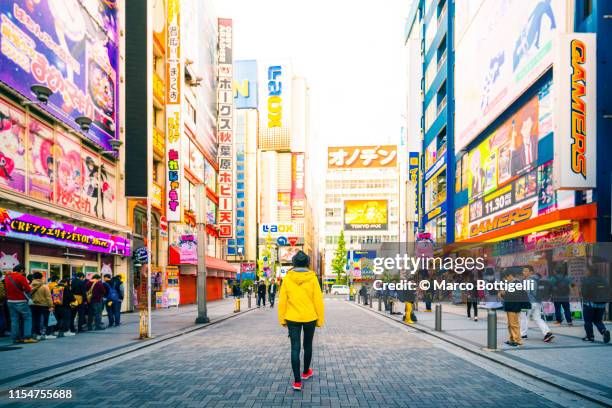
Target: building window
(587,8)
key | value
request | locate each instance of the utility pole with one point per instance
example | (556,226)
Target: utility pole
(201,279)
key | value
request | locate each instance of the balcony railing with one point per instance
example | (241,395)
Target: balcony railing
(441,105)
(442,14)
(441,61)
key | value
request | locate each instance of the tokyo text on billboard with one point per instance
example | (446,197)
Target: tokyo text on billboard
(364,215)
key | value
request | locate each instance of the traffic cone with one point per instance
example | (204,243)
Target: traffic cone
(408,311)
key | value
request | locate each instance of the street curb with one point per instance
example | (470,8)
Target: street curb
(29,381)
(490,355)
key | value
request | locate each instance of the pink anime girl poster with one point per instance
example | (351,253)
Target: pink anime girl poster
(12,148)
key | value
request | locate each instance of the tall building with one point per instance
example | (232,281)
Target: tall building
(436,165)
(243,248)
(514,147)
(183,134)
(62,206)
(362,198)
(285,211)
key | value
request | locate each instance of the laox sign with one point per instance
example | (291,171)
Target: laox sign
(275,101)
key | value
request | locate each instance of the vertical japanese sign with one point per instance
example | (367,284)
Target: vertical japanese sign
(575,112)
(298,193)
(174,165)
(413,177)
(225,112)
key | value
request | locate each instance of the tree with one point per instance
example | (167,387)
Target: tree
(339,261)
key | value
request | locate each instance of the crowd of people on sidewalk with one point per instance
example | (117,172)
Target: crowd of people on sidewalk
(550,298)
(521,306)
(264,291)
(32,309)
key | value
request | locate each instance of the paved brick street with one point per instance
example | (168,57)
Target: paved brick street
(33,360)
(360,359)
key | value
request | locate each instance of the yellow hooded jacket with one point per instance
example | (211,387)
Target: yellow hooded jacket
(300,299)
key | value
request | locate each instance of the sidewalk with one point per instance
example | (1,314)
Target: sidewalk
(45,356)
(567,360)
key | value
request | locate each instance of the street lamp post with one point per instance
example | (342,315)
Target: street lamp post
(201,279)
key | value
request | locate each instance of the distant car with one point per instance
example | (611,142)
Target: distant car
(340,290)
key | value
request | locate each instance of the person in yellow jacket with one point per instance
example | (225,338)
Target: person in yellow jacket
(300,305)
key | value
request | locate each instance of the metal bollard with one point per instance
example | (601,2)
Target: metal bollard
(438,317)
(492,329)
(379,304)
(249,300)
(370,300)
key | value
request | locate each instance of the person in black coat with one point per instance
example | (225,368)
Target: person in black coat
(63,311)
(514,303)
(78,287)
(261,293)
(272,292)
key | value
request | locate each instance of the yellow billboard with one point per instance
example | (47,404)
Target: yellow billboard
(363,215)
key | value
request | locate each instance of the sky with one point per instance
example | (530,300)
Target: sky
(350,52)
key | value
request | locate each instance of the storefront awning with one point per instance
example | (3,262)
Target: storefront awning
(220,265)
(540,223)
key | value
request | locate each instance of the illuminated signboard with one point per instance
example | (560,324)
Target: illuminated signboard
(245,84)
(355,157)
(275,90)
(298,192)
(575,112)
(225,117)
(72,48)
(174,125)
(14,224)
(363,215)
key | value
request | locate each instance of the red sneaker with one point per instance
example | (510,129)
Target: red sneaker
(307,374)
(297,386)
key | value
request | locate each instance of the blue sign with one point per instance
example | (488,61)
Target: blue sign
(437,166)
(245,84)
(282,241)
(439,210)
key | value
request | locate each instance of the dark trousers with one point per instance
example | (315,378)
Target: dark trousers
(261,298)
(566,311)
(94,317)
(428,304)
(295,329)
(593,316)
(40,319)
(63,314)
(114,313)
(79,313)
(471,304)
(3,322)
(271,299)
